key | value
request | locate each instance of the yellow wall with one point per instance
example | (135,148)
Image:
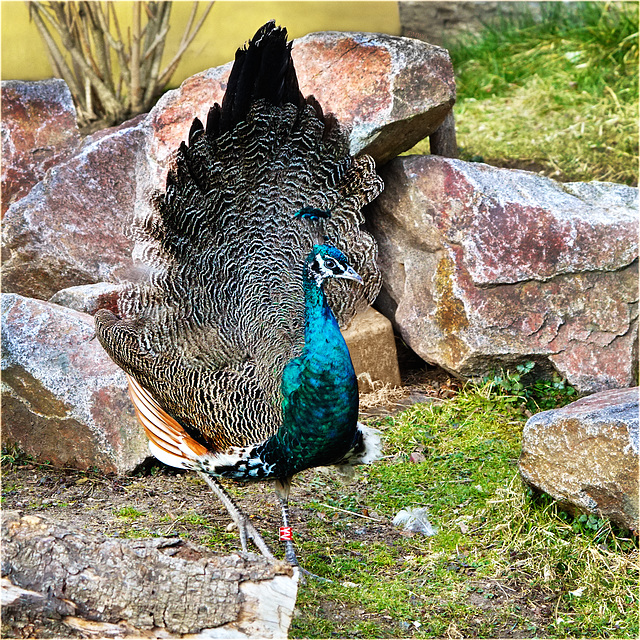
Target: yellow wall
(230,23)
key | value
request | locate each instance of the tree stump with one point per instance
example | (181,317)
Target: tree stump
(61,583)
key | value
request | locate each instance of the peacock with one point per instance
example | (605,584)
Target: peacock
(255,254)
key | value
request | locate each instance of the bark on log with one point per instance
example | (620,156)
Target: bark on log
(59,583)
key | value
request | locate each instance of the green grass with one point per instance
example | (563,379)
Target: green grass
(559,96)
(130,513)
(503,560)
(533,393)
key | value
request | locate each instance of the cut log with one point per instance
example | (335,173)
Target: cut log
(66,583)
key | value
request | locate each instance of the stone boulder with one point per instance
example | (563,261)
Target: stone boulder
(63,399)
(372,346)
(89,298)
(585,455)
(39,131)
(486,268)
(392,92)
(436,21)
(74,227)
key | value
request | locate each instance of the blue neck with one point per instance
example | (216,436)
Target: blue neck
(320,325)
(320,395)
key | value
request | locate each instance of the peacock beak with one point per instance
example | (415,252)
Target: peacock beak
(350,274)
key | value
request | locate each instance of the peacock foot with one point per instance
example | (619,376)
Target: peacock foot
(292,559)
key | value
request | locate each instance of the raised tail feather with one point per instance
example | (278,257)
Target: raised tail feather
(208,338)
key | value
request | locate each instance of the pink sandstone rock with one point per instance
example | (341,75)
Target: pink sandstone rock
(63,399)
(484,268)
(39,130)
(392,92)
(585,455)
(73,227)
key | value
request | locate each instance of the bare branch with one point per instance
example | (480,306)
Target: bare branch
(150,32)
(90,114)
(153,89)
(106,97)
(166,74)
(136,91)
(115,43)
(187,29)
(102,58)
(158,42)
(81,37)
(52,48)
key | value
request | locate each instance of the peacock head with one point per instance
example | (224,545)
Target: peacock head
(326,262)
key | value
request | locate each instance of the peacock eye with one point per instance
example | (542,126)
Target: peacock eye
(330,263)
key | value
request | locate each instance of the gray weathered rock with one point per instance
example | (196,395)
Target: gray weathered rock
(440,22)
(89,298)
(484,268)
(63,399)
(62,581)
(586,455)
(392,92)
(443,141)
(39,130)
(72,227)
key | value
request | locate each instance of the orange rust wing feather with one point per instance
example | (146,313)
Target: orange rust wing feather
(164,433)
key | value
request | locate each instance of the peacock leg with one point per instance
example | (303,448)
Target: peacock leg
(245,528)
(283,486)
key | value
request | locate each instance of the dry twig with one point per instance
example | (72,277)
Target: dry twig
(111,79)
